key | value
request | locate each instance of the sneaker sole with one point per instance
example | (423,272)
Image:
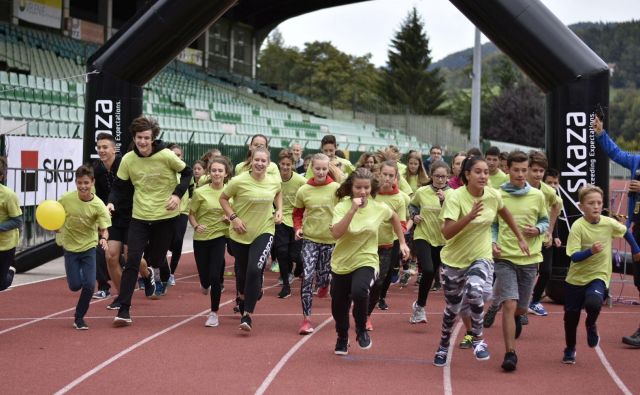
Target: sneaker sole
(284,297)
(112,308)
(508,366)
(569,362)
(417,322)
(595,345)
(630,343)
(81,328)
(307,332)
(245,327)
(367,347)
(121,322)
(341,352)
(440,365)
(211,325)
(536,313)
(484,358)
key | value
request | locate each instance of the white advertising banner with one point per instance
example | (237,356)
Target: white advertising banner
(40,12)
(45,167)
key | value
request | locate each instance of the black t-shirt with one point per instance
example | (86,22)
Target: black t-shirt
(104,181)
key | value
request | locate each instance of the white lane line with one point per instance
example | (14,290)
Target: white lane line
(612,372)
(446,373)
(36,281)
(283,361)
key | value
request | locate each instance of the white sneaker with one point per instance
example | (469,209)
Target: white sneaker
(418,315)
(172,280)
(205,291)
(212,320)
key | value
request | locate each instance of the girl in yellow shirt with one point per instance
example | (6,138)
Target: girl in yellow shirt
(415,174)
(354,263)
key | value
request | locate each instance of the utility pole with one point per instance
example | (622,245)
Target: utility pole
(475,92)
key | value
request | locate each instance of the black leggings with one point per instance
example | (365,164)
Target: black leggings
(346,288)
(178,238)
(544,274)
(287,250)
(102,274)
(395,267)
(429,261)
(209,256)
(154,237)
(384,256)
(6,259)
(250,262)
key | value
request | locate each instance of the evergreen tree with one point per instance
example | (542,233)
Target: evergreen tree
(407,80)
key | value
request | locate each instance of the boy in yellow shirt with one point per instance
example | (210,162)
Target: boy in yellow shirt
(10,222)
(85,214)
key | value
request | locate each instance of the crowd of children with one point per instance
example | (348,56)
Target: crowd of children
(482,230)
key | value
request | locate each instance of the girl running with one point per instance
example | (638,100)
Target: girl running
(415,173)
(467,262)
(427,237)
(314,202)
(257,141)
(254,194)
(367,160)
(210,229)
(354,263)
(198,171)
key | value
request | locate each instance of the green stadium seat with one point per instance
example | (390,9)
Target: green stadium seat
(53,129)
(36,110)
(45,112)
(64,114)
(55,113)
(15,110)
(22,80)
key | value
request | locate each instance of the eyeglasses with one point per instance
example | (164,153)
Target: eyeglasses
(438,176)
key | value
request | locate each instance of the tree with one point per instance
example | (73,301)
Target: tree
(406,79)
(276,62)
(624,118)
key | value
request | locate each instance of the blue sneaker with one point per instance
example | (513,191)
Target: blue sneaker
(172,280)
(593,338)
(102,294)
(159,291)
(481,350)
(569,356)
(538,309)
(441,356)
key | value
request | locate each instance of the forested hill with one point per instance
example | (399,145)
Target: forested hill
(617,43)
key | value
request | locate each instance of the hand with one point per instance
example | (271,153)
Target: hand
(111,208)
(278,217)
(636,257)
(476,210)
(548,240)
(440,195)
(225,219)
(200,228)
(596,124)
(173,203)
(524,247)
(104,244)
(404,250)
(358,202)
(530,231)
(557,242)
(497,251)
(238,226)
(299,235)
(596,248)
(417,219)
(634,186)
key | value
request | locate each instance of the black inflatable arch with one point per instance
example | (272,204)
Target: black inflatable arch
(572,76)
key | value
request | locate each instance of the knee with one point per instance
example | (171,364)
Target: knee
(75,286)
(592,304)
(360,293)
(282,250)
(509,305)
(474,293)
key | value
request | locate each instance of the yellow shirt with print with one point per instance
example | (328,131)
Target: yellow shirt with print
(581,237)
(82,221)
(429,203)
(9,208)
(318,203)
(399,204)
(358,247)
(289,191)
(205,206)
(473,242)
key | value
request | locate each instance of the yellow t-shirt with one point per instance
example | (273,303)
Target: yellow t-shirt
(399,203)
(473,242)
(272,169)
(412,180)
(581,237)
(9,208)
(154,180)
(289,191)
(551,197)
(318,203)
(498,179)
(429,228)
(253,204)
(404,186)
(205,206)
(82,221)
(203,180)
(358,247)
(526,210)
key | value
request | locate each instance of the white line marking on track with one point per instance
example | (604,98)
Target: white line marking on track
(614,376)
(36,282)
(276,369)
(446,373)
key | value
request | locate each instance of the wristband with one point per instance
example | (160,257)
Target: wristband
(233,216)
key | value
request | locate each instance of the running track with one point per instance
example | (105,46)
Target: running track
(168,349)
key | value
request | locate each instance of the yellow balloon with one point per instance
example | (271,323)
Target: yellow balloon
(50,215)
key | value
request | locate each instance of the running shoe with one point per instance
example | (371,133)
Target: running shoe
(275,267)
(122,319)
(285,292)
(212,320)
(342,346)
(10,275)
(593,338)
(306,328)
(518,320)
(323,292)
(364,340)
(481,350)
(436,287)
(369,324)
(205,291)
(245,323)
(114,306)
(418,315)
(569,356)
(490,316)
(404,278)
(467,342)
(538,309)
(172,280)
(149,284)
(524,319)
(382,304)
(159,291)
(418,278)
(441,356)
(633,340)
(80,325)
(102,294)
(165,288)
(394,278)
(510,361)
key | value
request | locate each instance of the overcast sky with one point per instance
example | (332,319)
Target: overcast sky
(367,27)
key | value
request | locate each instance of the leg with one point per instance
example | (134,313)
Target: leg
(139,233)
(506,295)
(259,253)
(310,257)
(323,265)
(424,255)
(437,262)
(341,302)
(241,254)
(102,273)
(395,269)
(283,239)
(544,273)
(573,301)
(159,243)
(453,283)
(87,263)
(201,253)
(216,261)
(384,255)
(361,282)
(480,274)
(176,244)
(594,295)
(113,262)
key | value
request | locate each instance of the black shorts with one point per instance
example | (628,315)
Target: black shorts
(119,233)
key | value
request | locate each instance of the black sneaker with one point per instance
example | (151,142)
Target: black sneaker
(569,356)
(633,340)
(342,346)
(10,275)
(114,306)
(245,323)
(592,336)
(490,317)
(524,319)
(149,284)
(510,361)
(80,325)
(285,292)
(122,319)
(382,305)
(518,320)
(364,340)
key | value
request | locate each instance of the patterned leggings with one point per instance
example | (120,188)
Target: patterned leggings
(464,286)
(316,260)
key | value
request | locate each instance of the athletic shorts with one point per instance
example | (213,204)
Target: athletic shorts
(514,282)
(119,233)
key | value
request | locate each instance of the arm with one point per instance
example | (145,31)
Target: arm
(236,222)
(104,238)
(622,158)
(298,215)
(581,255)
(399,231)
(508,218)
(278,203)
(185,180)
(632,242)
(194,223)
(11,223)
(543,224)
